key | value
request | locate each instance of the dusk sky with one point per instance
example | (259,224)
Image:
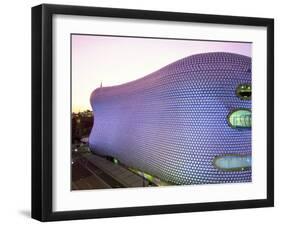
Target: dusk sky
(117,60)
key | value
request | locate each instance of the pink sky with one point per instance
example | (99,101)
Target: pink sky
(116,60)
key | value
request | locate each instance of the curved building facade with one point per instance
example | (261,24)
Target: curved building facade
(177,123)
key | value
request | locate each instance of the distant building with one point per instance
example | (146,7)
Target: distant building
(82,124)
(187,123)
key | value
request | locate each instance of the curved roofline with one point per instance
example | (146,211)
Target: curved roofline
(192,58)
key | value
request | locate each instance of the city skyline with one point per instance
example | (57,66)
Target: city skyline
(111,60)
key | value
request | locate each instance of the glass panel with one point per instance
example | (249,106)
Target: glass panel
(244,91)
(233,162)
(240,118)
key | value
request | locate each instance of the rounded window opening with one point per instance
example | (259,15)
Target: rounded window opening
(233,162)
(244,91)
(240,119)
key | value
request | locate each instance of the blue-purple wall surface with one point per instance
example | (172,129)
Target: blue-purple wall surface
(173,123)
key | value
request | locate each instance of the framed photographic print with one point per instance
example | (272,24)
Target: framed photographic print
(145,112)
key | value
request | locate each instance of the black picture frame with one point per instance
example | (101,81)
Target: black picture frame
(42,111)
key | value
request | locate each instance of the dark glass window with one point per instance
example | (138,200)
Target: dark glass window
(244,91)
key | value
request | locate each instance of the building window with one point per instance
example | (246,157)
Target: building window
(240,119)
(244,91)
(233,162)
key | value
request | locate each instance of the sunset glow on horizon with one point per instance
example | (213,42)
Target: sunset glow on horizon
(116,60)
